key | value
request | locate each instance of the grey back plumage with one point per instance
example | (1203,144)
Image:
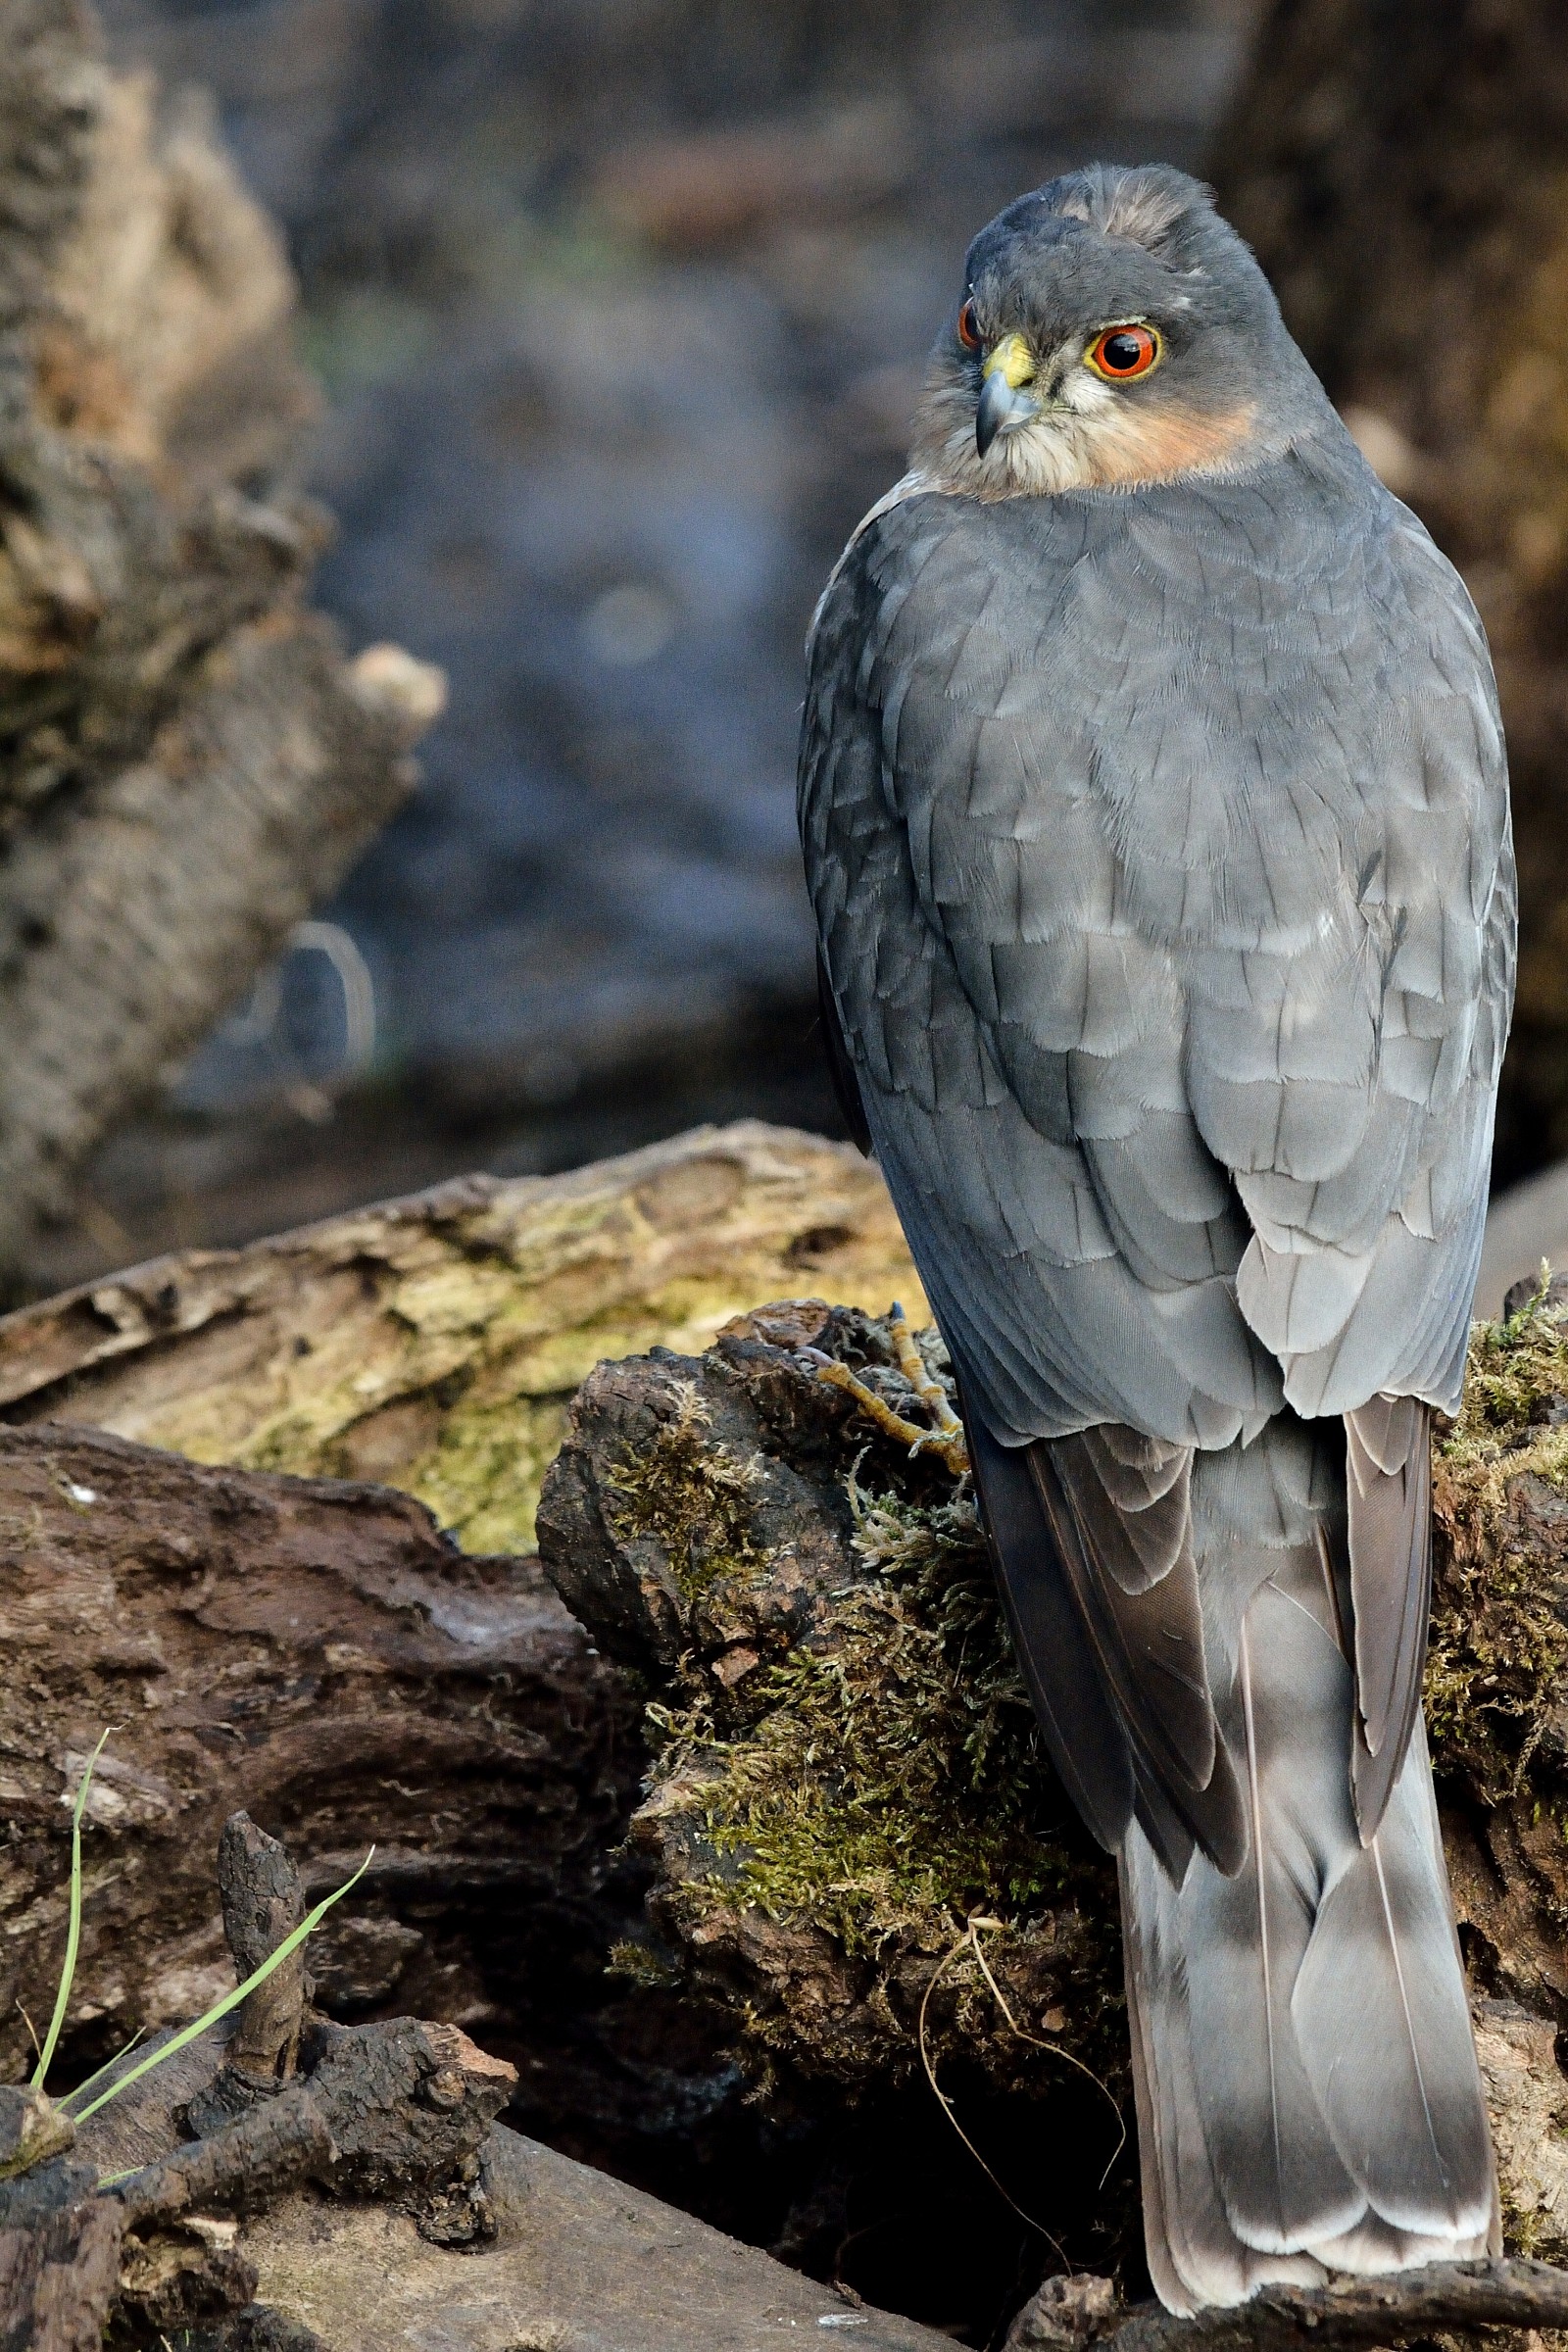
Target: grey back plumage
(1160,850)
(1159,845)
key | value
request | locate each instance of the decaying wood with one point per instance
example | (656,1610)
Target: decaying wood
(1444,2299)
(395,2111)
(833,1668)
(382,2110)
(264,1902)
(58,2276)
(577,2261)
(393,2123)
(320,1652)
(187,762)
(434,1342)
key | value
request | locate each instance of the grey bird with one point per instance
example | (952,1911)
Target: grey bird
(1154,808)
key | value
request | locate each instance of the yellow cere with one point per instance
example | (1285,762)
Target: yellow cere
(1011,358)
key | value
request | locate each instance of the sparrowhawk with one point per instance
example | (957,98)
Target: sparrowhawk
(1155,818)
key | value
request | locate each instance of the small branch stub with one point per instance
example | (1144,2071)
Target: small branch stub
(263,1903)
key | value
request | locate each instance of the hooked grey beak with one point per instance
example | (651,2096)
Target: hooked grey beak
(1002,410)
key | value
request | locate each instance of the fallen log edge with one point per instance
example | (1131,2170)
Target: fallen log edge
(1394,2308)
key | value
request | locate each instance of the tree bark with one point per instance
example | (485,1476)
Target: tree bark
(317,1652)
(1400,167)
(187,762)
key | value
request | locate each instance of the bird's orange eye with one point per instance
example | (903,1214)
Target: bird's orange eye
(969,327)
(1124,352)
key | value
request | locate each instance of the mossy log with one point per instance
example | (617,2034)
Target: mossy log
(860,1858)
(434,1342)
(860,1847)
(187,761)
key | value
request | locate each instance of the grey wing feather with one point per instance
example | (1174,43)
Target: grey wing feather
(1013,1036)
(1088,1744)
(1349,1079)
(1147,1635)
(1389,1494)
(1177,1042)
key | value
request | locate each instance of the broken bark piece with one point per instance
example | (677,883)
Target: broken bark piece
(698,1506)
(1066,2314)
(434,1342)
(178,2276)
(58,2278)
(318,1652)
(384,2111)
(406,2103)
(263,1904)
(285,2139)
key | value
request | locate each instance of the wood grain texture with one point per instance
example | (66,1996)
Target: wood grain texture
(434,1342)
(317,1652)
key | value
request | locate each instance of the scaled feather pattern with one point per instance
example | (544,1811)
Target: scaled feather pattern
(1158,843)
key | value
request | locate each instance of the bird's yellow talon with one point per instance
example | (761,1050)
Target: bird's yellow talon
(946,1441)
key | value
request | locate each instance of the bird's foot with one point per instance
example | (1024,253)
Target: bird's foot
(944,1436)
(917,1372)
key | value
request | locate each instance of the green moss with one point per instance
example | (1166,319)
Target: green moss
(693,1497)
(482,1481)
(639,1964)
(883,1786)
(1499,1642)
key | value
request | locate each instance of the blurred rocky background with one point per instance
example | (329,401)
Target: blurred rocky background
(619,308)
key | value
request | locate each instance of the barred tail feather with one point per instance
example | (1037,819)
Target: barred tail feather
(1308,2096)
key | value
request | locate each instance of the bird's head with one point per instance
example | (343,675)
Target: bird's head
(1112,330)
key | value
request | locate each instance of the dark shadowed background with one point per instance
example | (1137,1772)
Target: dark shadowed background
(619,308)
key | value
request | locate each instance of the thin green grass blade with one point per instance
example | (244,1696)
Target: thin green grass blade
(74,1931)
(230,2000)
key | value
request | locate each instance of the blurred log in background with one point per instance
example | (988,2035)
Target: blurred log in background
(187,762)
(1400,167)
